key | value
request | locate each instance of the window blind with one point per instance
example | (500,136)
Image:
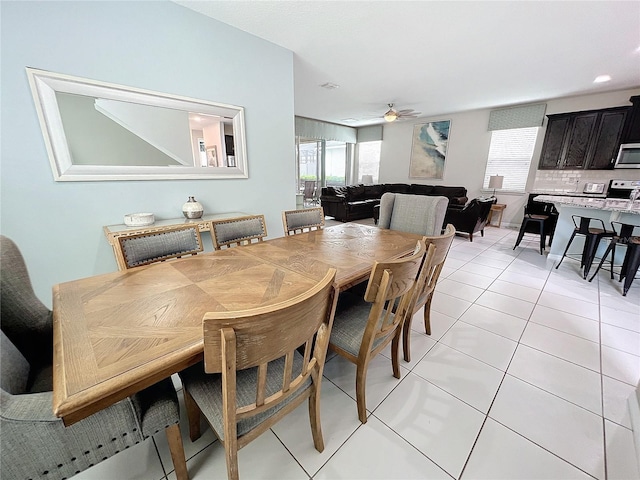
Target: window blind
(517,117)
(510,156)
(372,133)
(309,128)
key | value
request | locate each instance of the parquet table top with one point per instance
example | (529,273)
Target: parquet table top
(118,333)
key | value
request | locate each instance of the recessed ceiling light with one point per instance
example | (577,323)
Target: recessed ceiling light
(602,79)
(330,86)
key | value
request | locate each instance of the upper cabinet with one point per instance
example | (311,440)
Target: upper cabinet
(631,132)
(587,139)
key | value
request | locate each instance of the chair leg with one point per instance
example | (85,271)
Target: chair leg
(520,234)
(314,417)
(543,236)
(361,381)
(427,315)
(566,249)
(231,455)
(406,339)
(471,237)
(589,252)
(174,438)
(193,415)
(604,257)
(632,264)
(395,343)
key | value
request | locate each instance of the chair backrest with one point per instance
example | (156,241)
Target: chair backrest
(623,231)
(309,189)
(420,214)
(26,321)
(151,247)
(390,290)
(299,221)
(485,207)
(430,271)
(584,224)
(253,338)
(238,231)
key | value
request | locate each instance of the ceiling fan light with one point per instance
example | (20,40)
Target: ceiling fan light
(391,116)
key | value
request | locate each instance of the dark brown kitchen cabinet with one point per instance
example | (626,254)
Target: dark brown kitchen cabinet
(587,139)
(608,136)
(632,126)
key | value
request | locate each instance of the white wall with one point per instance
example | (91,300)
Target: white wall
(469,146)
(155,45)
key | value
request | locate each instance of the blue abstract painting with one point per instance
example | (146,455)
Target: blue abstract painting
(429,149)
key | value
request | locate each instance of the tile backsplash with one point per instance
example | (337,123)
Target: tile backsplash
(569,181)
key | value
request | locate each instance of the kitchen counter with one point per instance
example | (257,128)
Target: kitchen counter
(609,204)
(605,209)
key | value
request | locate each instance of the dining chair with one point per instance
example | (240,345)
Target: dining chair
(309,193)
(151,247)
(420,214)
(238,231)
(426,285)
(37,444)
(259,365)
(364,326)
(305,220)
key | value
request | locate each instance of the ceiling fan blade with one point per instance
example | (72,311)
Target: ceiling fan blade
(406,111)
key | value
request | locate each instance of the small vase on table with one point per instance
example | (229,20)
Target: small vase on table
(192,209)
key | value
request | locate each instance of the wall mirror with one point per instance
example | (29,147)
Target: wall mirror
(97,131)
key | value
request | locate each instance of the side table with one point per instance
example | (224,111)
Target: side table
(496,209)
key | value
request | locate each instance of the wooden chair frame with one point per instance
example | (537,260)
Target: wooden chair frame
(123,240)
(246,239)
(293,225)
(389,290)
(237,341)
(426,285)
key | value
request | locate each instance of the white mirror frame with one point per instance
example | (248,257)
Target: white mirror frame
(44,86)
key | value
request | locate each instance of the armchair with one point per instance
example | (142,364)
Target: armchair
(472,218)
(35,443)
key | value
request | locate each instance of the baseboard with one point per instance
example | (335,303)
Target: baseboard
(634,412)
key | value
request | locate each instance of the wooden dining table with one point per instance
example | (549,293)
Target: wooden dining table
(118,333)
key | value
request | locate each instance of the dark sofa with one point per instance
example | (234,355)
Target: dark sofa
(353,202)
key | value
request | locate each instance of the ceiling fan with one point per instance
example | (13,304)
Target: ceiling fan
(392,114)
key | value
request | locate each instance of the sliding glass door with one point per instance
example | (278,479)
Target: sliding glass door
(325,162)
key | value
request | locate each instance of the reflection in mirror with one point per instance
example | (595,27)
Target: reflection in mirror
(99,131)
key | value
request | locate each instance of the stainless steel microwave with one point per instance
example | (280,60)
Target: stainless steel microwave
(628,156)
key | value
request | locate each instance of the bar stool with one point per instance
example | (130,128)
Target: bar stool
(592,240)
(619,239)
(630,264)
(537,221)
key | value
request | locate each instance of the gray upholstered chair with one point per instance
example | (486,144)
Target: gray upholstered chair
(426,285)
(305,220)
(258,366)
(35,443)
(420,214)
(151,247)
(363,327)
(238,231)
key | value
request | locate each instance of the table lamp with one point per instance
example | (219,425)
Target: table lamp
(367,179)
(495,181)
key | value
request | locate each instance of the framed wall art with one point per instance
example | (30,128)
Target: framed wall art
(429,149)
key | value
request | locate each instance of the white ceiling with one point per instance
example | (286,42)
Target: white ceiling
(440,57)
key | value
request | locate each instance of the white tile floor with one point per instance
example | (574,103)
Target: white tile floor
(526,375)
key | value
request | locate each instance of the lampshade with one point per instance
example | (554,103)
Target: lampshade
(495,181)
(367,179)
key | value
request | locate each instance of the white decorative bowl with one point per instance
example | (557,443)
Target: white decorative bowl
(139,219)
